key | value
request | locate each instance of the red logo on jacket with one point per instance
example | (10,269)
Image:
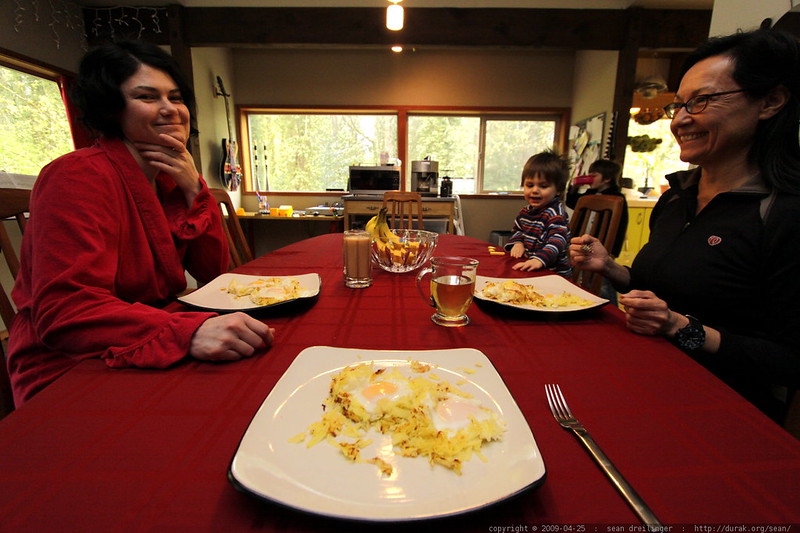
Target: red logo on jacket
(714,240)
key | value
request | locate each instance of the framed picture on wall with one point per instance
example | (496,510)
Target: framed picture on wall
(586,143)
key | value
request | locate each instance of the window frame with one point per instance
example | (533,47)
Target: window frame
(60,77)
(561,116)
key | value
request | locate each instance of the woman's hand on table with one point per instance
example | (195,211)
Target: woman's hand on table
(647,314)
(230,337)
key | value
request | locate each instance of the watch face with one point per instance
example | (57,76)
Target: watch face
(692,336)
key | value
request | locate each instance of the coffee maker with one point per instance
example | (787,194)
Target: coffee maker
(425,177)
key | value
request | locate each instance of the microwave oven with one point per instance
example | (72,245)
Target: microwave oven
(373,180)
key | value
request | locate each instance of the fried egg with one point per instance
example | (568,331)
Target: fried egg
(368,389)
(456,413)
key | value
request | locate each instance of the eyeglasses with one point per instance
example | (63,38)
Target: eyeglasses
(696,104)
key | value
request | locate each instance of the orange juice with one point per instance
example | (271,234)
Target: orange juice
(452,294)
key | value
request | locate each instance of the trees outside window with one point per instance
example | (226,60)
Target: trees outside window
(34,128)
(482,152)
(312,152)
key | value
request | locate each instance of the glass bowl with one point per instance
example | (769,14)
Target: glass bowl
(414,249)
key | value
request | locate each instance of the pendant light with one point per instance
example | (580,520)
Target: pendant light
(394,16)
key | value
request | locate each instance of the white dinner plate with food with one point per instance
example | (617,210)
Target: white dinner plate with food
(240,292)
(549,294)
(271,463)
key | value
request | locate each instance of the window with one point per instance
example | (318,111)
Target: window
(34,128)
(457,143)
(657,154)
(300,151)
(312,151)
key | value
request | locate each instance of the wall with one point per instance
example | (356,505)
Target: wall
(58,46)
(426,77)
(593,92)
(207,64)
(730,16)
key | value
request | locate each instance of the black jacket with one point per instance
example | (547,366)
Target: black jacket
(736,267)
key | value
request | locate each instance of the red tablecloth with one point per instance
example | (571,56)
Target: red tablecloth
(148,450)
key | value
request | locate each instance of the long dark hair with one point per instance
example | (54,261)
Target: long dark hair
(763,60)
(104,69)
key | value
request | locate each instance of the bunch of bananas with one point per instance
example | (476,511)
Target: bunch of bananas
(378,228)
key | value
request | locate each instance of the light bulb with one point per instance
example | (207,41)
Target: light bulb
(394,17)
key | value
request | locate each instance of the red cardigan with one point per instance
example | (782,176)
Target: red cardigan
(100,254)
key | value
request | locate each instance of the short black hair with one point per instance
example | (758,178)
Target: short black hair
(102,72)
(610,170)
(763,60)
(550,166)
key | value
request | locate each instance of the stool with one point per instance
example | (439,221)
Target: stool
(500,237)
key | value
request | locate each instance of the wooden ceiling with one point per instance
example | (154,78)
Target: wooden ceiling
(589,29)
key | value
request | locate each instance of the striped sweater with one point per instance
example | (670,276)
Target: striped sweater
(545,234)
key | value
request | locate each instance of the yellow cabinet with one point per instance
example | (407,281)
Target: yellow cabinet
(638,233)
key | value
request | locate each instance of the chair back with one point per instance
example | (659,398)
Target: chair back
(14,204)
(403,205)
(599,215)
(237,243)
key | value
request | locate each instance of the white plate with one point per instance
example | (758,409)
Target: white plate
(551,284)
(214,295)
(311,479)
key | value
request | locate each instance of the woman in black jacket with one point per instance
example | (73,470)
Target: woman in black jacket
(719,276)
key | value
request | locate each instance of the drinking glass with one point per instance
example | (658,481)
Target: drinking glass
(357,259)
(452,285)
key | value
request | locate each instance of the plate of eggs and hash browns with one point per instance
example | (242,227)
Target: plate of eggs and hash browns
(549,294)
(416,434)
(241,292)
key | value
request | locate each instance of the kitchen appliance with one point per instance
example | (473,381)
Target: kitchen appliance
(425,177)
(373,180)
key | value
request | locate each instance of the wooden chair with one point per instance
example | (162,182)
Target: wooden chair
(598,215)
(14,204)
(402,208)
(237,243)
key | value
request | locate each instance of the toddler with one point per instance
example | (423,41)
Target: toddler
(541,232)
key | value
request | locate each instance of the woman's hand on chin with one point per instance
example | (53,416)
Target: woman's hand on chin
(174,159)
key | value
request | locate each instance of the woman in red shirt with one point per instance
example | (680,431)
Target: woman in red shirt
(112,229)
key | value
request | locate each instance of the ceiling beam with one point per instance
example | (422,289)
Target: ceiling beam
(586,29)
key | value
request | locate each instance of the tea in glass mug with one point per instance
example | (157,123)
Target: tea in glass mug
(452,285)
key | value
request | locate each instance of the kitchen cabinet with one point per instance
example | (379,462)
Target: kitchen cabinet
(432,208)
(638,230)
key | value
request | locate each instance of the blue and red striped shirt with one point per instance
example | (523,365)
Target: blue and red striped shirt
(545,233)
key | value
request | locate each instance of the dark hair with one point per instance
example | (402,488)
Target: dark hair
(550,166)
(104,69)
(610,171)
(763,60)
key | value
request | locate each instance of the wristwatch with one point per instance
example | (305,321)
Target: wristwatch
(691,336)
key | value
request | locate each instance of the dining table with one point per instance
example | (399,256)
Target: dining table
(140,449)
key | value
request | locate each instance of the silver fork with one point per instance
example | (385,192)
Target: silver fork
(563,415)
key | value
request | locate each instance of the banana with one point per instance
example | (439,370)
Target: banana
(372,227)
(378,228)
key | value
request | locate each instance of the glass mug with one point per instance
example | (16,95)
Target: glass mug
(452,285)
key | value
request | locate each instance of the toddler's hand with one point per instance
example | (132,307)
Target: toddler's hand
(529,265)
(518,250)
